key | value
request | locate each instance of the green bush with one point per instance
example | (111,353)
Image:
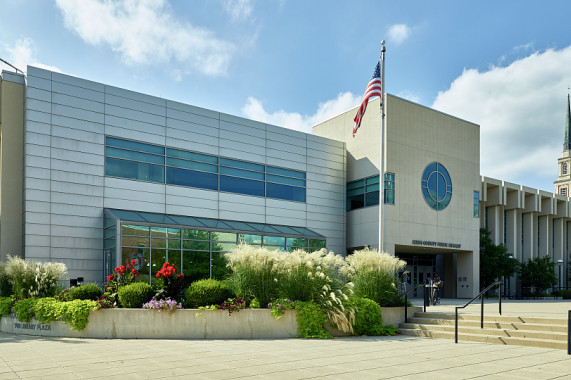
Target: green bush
(76,313)
(206,292)
(135,295)
(47,310)
(6,304)
(311,320)
(85,292)
(5,286)
(24,309)
(368,317)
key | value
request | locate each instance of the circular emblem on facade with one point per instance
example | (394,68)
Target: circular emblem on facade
(436,186)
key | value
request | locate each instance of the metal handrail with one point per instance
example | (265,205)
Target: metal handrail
(405,294)
(481,295)
(569,333)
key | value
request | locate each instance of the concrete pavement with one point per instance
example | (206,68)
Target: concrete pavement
(403,357)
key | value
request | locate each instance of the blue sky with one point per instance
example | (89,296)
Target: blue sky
(505,65)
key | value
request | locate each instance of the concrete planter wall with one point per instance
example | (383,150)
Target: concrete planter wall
(182,324)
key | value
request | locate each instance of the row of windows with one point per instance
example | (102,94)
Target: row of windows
(365,192)
(154,163)
(195,253)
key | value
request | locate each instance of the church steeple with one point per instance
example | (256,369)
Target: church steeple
(563,182)
(567,141)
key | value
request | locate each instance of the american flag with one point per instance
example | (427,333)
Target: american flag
(373,90)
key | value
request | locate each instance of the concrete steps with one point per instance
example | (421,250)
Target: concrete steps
(522,331)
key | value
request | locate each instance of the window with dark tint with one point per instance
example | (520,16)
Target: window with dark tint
(362,193)
(154,163)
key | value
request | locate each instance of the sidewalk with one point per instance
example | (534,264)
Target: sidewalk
(403,357)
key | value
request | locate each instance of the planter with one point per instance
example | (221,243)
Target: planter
(182,324)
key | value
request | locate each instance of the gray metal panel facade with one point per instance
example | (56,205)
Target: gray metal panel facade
(66,190)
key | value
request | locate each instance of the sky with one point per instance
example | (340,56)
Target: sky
(502,64)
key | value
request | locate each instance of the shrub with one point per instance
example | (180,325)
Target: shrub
(24,309)
(6,304)
(206,292)
(374,275)
(311,320)
(47,310)
(85,292)
(135,295)
(368,318)
(5,286)
(76,312)
(34,279)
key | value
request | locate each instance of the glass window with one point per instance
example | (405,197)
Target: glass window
(389,188)
(250,239)
(274,240)
(285,180)
(564,168)
(191,178)
(436,186)
(141,257)
(193,156)
(196,245)
(289,193)
(363,192)
(372,198)
(195,265)
(134,145)
(296,242)
(192,165)
(285,172)
(224,247)
(135,241)
(241,186)
(476,204)
(242,173)
(115,167)
(241,164)
(219,269)
(132,155)
(127,229)
(196,234)
(316,244)
(173,233)
(158,232)
(224,236)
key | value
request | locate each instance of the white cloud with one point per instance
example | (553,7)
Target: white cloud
(521,112)
(146,32)
(398,33)
(23,53)
(254,109)
(238,9)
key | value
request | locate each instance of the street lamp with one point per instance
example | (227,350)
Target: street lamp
(559,265)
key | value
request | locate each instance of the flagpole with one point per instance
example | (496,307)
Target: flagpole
(382,155)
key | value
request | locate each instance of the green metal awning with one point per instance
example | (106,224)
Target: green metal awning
(180,221)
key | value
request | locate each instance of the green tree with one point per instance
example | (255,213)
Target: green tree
(538,272)
(495,260)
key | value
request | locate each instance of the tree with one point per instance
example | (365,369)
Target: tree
(495,260)
(538,272)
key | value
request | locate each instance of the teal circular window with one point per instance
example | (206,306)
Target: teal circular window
(436,186)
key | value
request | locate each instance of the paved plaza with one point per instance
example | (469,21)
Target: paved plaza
(402,357)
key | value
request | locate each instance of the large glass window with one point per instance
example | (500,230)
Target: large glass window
(153,163)
(390,188)
(196,253)
(436,186)
(364,192)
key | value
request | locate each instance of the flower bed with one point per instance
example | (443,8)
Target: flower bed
(183,324)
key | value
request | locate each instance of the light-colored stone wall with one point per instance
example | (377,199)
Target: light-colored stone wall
(415,136)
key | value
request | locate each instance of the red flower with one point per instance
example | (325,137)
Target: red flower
(117,269)
(158,274)
(180,276)
(133,262)
(122,268)
(110,277)
(134,270)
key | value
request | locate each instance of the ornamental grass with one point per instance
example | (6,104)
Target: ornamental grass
(374,274)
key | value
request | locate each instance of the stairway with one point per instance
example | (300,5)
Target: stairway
(522,331)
